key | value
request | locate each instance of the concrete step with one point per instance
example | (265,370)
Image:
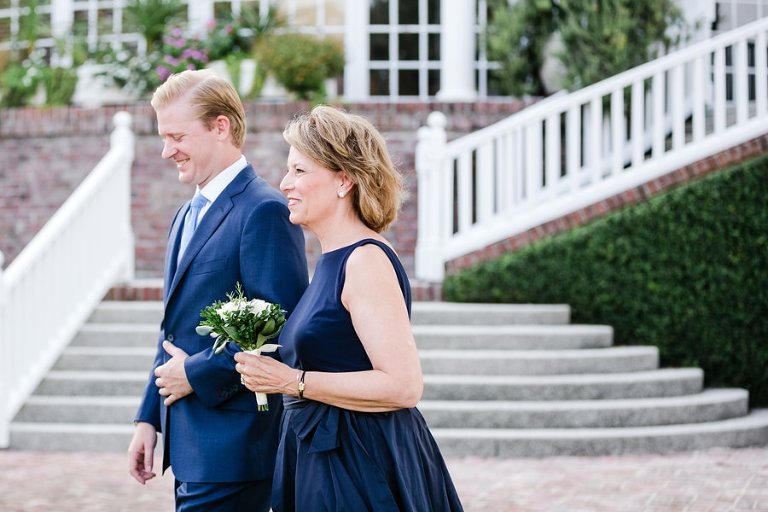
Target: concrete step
(71,437)
(513,337)
(422,313)
(116,335)
(649,384)
(93,383)
(656,383)
(128,312)
(452,313)
(483,362)
(501,337)
(750,430)
(709,405)
(79,409)
(106,358)
(539,362)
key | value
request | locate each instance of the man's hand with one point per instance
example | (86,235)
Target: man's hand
(141,452)
(171,376)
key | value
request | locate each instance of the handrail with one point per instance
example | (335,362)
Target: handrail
(571,151)
(50,289)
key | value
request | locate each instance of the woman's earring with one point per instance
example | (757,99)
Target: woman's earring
(341,193)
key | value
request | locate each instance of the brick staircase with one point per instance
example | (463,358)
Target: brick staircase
(500,380)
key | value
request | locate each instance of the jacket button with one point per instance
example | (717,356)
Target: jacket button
(169,337)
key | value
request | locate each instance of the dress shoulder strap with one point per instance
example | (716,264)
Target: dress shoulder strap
(402,276)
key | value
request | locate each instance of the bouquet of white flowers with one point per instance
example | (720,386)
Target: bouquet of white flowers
(246,323)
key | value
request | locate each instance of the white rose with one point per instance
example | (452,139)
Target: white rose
(232,306)
(258,305)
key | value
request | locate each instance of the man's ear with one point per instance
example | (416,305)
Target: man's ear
(222,127)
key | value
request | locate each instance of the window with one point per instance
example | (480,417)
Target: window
(404,57)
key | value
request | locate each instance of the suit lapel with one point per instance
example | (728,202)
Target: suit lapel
(210,222)
(174,238)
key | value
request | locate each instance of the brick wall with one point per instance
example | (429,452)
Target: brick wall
(46,153)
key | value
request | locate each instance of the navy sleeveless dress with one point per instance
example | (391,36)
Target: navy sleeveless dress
(333,459)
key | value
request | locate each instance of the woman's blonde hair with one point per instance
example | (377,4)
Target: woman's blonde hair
(211,96)
(340,141)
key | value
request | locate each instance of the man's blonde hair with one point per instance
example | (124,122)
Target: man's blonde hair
(211,96)
(346,142)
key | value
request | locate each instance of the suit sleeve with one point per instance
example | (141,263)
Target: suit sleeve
(149,410)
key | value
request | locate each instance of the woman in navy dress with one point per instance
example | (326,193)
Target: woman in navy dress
(351,437)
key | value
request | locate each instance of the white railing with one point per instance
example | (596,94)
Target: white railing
(50,289)
(568,152)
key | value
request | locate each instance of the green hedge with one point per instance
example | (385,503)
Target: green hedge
(686,271)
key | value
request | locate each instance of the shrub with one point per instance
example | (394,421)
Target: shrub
(21,81)
(301,63)
(224,39)
(59,85)
(686,271)
(18,84)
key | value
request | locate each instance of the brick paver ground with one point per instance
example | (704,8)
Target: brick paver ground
(717,480)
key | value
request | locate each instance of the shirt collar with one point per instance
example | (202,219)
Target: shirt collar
(216,186)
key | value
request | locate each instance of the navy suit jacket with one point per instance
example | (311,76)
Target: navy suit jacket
(216,434)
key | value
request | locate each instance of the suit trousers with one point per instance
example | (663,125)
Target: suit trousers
(223,496)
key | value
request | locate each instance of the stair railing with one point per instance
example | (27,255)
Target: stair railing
(50,289)
(572,151)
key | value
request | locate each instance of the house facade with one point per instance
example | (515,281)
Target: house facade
(395,50)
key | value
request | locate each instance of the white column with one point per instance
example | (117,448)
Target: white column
(62,17)
(356,78)
(200,12)
(457,51)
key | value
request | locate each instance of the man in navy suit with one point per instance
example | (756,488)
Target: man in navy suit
(221,447)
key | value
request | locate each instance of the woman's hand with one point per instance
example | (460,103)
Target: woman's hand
(266,375)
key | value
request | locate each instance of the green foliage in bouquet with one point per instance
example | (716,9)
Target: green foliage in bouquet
(246,323)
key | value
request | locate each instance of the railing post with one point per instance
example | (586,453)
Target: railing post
(430,155)
(5,354)
(122,138)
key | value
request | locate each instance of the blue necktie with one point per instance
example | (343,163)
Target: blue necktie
(190,223)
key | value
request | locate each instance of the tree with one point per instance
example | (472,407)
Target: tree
(516,36)
(600,38)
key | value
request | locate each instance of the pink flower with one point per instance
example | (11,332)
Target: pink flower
(163,73)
